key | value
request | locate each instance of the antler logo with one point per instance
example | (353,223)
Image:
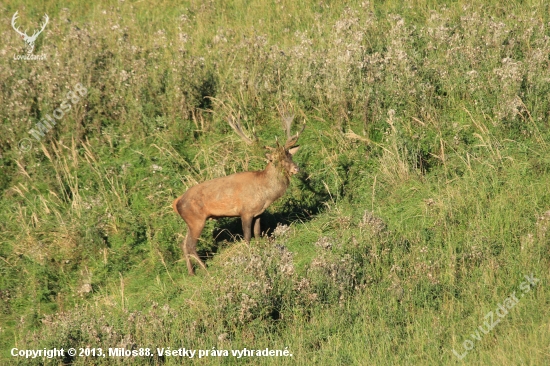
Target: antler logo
(29,40)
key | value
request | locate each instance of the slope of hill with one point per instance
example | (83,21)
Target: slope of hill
(416,234)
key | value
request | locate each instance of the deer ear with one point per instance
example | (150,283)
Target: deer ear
(293,150)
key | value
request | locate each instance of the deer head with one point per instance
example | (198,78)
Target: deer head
(29,40)
(281,155)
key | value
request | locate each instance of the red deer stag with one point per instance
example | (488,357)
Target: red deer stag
(245,194)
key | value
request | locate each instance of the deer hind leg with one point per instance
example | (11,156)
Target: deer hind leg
(189,246)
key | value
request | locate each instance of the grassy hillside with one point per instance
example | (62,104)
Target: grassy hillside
(423,204)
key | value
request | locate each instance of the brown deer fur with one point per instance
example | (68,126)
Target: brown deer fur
(245,194)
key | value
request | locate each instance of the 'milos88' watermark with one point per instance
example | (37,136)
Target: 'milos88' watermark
(46,124)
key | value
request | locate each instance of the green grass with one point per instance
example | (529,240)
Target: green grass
(423,203)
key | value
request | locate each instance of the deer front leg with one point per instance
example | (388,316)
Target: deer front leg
(257,230)
(247,227)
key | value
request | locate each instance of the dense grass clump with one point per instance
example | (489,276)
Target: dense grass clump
(423,204)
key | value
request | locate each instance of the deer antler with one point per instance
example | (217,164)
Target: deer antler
(236,126)
(36,33)
(286,120)
(287,123)
(13,19)
(291,141)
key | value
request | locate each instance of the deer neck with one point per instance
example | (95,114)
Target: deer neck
(277,178)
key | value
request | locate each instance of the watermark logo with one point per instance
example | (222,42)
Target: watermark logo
(29,40)
(491,320)
(46,124)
